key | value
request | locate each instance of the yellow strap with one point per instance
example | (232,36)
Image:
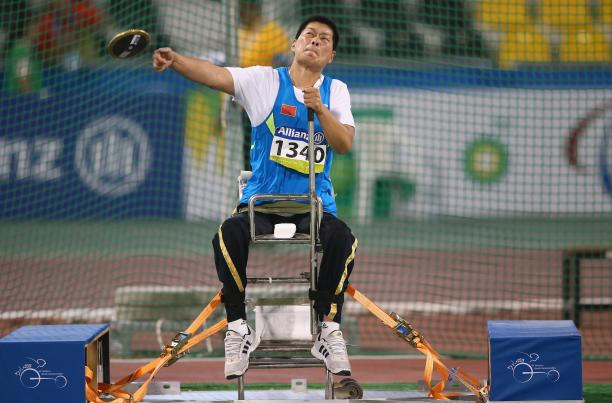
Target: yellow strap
(155,365)
(206,312)
(230,262)
(433,360)
(371,306)
(345,272)
(333,310)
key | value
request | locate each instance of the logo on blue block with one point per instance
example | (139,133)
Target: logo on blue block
(32,374)
(524,369)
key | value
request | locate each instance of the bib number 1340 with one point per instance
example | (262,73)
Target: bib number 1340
(296,150)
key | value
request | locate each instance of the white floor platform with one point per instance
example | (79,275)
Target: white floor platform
(312,395)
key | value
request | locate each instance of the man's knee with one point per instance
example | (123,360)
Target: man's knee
(235,228)
(236,223)
(336,231)
(229,244)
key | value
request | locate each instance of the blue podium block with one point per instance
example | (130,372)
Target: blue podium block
(40,364)
(534,360)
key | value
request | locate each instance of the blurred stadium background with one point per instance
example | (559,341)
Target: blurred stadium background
(480,184)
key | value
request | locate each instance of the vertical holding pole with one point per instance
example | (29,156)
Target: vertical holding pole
(241,387)
(231,35)
(577,295)
(313,210)
(105,357)
(566,283)
(329,385)
(230,116)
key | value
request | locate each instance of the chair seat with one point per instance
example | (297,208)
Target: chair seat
(297,238)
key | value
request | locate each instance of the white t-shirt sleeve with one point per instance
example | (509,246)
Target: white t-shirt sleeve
(255,88)
(340,101)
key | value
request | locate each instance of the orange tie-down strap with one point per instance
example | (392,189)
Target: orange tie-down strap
(433,359)
(173,351)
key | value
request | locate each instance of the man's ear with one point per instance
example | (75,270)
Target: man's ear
(293,46)
(331,59)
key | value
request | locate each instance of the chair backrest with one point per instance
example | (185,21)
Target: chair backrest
(244,177)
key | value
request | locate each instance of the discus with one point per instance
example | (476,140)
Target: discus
(128,43)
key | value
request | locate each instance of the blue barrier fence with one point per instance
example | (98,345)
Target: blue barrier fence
(108,151)
(109,143)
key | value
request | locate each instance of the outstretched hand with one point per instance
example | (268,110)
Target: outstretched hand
(162,59)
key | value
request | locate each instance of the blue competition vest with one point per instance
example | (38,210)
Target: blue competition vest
(279,149)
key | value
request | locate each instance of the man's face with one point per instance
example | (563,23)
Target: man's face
(314,46)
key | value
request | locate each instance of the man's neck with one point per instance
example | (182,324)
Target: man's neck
(303,77)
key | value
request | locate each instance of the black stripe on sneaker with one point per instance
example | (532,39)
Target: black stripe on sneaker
(321,349)
(326,354)
(248,343)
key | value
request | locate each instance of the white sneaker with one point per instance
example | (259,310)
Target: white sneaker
(332,350)
(238,348)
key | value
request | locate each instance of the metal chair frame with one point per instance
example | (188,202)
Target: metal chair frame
(316,213)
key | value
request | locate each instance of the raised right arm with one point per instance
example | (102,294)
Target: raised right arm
(200,71)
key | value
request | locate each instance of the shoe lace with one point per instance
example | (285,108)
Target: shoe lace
(233,341)
(336,343)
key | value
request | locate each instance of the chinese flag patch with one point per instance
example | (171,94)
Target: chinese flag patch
(289,110)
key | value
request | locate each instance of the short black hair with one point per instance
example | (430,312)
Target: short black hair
(323,20)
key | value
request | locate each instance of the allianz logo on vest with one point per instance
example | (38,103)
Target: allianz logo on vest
(292,133)
(113,155)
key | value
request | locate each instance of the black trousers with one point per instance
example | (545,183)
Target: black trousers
(231,248)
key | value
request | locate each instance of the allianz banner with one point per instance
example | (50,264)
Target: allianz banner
(91,156)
